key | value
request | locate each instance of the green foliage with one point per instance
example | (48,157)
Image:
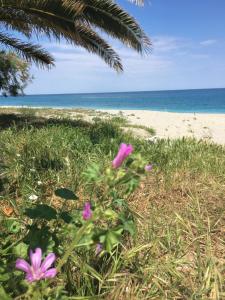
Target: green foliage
(75,22)
(121,121)
(63,231)
(14,74)
(162,240)
(150,130)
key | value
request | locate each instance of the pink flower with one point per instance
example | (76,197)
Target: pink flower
(87,213)
(98,249)
(148,168)
(124,151)
(37,270)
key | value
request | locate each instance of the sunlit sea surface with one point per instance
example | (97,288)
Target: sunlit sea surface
(201,101)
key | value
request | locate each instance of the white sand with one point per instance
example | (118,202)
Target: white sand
(209,127)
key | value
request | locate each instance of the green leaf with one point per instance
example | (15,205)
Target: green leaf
(120,202)
(110,214)
(65,194)
(12,226)
(41,211)
(133,184)
(20,250)
(130,227)
(93,173)
(112,239)
(3,295)
(86,239)
(4,277)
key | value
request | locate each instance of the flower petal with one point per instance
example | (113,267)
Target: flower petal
(129,150)
(35,258)
(87,213)
(124,151)
(30,277)
(122,148)
(148,168)
(23,265)
(98,249)
(48,261)
(51,273)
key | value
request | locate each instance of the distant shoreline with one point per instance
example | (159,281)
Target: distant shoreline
(108,109)
(168,125)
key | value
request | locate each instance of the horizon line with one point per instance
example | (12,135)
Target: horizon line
(139,91)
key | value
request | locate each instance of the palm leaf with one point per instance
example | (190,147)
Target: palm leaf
(76,21)
(112,19)
(30,52)
(78,34)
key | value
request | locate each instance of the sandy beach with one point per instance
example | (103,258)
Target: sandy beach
(207,127)
(210,127)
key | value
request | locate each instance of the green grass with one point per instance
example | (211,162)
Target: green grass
(150,130)
(178,251)
(121,121)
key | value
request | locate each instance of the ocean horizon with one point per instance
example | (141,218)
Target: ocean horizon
(183,101)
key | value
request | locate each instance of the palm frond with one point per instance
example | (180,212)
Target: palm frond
(16,20)
(104,14)
(30,52)
(91,41)
(79,34)
(76,21)
(111,18)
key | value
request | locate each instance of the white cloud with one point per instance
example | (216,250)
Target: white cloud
(79,71)
(208,42)
(160,44)
(132,61)
(167,44)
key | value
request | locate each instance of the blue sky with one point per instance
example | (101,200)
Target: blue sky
(188,52)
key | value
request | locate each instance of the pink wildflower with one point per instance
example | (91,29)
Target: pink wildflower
(148,168)
(124,151)
(87,213)
(37,270)
(98,249)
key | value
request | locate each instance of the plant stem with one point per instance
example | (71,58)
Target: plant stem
(74,243)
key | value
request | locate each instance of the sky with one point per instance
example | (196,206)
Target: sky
(188,52)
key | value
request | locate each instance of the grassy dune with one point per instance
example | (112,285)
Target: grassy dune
(178,249)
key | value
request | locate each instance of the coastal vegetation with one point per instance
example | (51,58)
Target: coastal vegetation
(150,225)
(14,74)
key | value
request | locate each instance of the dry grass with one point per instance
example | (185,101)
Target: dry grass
(178,251)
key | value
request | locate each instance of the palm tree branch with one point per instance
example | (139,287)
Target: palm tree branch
(74,20)
(112,19)
(102,13)
(81,35)
(28,51)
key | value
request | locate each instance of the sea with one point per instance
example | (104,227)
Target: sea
(197,101)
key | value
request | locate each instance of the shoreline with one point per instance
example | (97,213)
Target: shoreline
(168,125)
(108,109)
